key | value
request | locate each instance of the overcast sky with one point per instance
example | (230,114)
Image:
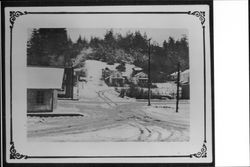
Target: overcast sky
(157,35)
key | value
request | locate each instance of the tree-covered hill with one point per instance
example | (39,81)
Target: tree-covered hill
(52,47)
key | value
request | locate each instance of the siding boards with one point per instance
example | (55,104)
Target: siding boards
(41,100)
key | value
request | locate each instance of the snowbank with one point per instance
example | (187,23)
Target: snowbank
(168,114)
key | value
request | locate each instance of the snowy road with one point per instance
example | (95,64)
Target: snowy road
(104,121)
(108,117)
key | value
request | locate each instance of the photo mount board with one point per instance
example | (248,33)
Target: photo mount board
(13,16)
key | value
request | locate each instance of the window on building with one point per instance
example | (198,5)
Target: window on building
(40,97)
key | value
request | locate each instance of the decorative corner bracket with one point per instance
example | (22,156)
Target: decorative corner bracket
(14,154)
(202,153)
(14,15)
(200,15)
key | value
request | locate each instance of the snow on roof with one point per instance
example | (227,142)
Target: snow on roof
(44,77)
(141,75)
(183,72)
(116,74)
(137,68)
(184,76)
(79,69)
(174,74)
(128,71)
(165,85)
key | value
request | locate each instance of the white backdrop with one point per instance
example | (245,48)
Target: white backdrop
(232,121)
(231,63)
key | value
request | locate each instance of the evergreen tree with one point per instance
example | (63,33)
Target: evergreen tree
(121,67)
(139,42)
(48,47)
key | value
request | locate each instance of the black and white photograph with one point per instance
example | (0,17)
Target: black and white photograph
(98,84)
(94,84)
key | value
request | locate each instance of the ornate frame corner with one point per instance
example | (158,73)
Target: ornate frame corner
(202,153)
(14,15)
(200,15)
(14,154)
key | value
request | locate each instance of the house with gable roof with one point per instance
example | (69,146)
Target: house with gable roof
(42,86)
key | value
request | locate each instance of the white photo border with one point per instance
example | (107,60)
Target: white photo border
(201,17)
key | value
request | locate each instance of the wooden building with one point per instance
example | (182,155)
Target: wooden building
(140,79)
(115,79)
(184,83)
(68,83)
(42,86)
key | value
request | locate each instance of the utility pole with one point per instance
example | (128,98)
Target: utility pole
(72,82)
(72,79)
(149,76)
(178,85)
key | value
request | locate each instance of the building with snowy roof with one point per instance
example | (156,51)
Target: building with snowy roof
(137,69)
(184,83)
(42,86)
(184,76)
(140,79)
(114,78)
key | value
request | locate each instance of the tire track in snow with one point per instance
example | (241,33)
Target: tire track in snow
(106,99)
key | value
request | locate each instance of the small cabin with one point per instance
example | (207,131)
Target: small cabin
(42,86)
(184,83)
(115,79)
(140,79)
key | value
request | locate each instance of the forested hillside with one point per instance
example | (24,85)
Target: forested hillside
(53,47)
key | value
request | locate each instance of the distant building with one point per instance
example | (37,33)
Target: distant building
(42,86)
(68,83)
(184,83)
(71,77)
(184,76)
(114,78)
(167,89)
(185,91)
(137,69)
(140,79)
(117,78)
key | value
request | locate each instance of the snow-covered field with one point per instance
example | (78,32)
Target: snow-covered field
(107,117)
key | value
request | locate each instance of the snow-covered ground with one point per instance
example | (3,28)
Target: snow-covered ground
(94,84)
(108,117)
(168,88)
